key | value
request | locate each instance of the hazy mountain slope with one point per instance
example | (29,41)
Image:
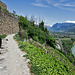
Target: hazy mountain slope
(62,27)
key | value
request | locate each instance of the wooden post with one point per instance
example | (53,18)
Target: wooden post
(0,42)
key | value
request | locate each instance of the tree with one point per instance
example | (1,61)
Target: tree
(23,22)
(50,41)
(37,33)
(41,25)
(46,31)
(32,21)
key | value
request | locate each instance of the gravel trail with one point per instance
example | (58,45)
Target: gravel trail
(12,61)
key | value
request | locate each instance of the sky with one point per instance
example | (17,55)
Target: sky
(50,11)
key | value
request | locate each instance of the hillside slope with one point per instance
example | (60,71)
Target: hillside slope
(46,61)
(28,30)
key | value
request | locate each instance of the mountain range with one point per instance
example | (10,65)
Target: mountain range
(62,27)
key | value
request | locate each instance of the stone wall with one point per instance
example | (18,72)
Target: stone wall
(3,5)
(8,23)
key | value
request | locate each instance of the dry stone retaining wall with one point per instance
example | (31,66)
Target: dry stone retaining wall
(3,5)
(8,23)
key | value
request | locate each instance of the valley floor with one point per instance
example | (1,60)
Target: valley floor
(11,59)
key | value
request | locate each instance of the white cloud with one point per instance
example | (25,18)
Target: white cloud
(48,25)
(61,4)
(40,5)
(69,5)
(57,4)
(68,21)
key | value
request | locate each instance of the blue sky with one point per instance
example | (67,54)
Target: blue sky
(51,11)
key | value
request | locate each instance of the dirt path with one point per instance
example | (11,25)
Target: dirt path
(12,61)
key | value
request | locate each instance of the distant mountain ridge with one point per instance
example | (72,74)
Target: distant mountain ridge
(62,27)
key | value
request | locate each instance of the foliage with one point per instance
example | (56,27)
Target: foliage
(6,39)
(12,14)
(0,7)
(17,37)
(35,38)
(6,10)
(32,21)
(41,25)
(67,45)
(39,34)
(43,63)
(50,41)
(3,36)
(22,33)
(23,22)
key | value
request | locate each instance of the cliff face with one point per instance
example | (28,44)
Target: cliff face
(8,23)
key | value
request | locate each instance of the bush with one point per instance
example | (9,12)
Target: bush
(35,38)
(23,34)
(3,36)
(50,41)
(5,10)
(17,37)
(6,39)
